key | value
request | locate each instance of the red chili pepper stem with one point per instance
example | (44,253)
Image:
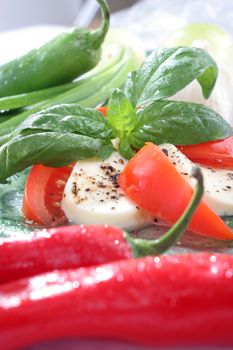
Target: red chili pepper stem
(143,247)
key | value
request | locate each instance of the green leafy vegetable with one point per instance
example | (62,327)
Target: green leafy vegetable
(56,137)
(49,148)
(168,71)
(106,150)
(126,149)
(122,118)
(69,118)
(179,123)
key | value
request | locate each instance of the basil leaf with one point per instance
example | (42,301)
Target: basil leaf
(106,150)
(125,149)
(55,137)
(121,114)
(179,123)
(69,118)
(168,71)
(122,118)
(48,148)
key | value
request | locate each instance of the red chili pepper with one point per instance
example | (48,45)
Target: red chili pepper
(76,246)
(61,248)
(167,300)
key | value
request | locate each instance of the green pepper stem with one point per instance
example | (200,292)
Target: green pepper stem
(100,33)
(143,247)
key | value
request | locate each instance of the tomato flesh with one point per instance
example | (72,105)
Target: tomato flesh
(154,184)
(43,194)
(217,154)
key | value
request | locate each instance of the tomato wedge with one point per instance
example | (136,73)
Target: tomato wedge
(43,194)
(153,182)
(214,153)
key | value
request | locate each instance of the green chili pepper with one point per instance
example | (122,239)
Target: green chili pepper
(59,61)
(89,91)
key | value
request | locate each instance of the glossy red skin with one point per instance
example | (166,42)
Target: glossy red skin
(214,153)
(167,300)
(61,248)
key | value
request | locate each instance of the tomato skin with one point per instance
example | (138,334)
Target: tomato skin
(43,194)
(103,110)
(153,182)
(218,154)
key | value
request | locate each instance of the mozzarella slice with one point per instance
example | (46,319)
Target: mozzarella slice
(218,182)
(92,196)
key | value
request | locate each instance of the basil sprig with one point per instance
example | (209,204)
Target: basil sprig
(168,71)
(62,134)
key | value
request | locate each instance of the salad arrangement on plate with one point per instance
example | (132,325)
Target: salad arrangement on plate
(111,152)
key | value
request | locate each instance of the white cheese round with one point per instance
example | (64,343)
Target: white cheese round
(92,195)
